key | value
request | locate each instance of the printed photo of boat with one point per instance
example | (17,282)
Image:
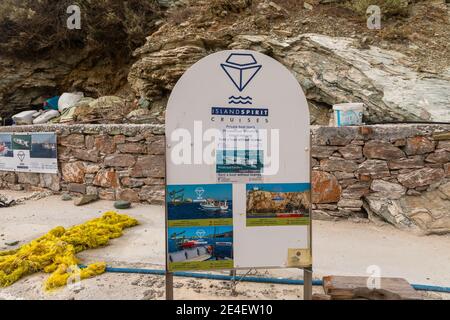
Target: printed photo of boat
(278,204)
(199,205)
(43,146)
(200,248)
(6,146)
(21,142)
(239,161)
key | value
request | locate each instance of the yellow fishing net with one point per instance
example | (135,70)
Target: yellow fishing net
(56,251)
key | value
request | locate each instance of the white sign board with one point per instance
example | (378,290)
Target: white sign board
(28,152)
(238,166)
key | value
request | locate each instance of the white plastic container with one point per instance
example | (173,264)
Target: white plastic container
(348,114)
(46,116)
(68,100)
(25,117)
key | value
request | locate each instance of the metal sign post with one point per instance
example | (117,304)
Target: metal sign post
(238,168)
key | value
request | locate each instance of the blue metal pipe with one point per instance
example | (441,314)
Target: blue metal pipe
(420,287)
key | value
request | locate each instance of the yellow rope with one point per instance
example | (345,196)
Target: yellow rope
(55,252)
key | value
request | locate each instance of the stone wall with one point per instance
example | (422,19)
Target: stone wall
(114,161)
(395,173)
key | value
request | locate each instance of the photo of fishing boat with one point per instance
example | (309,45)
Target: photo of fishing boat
(21,142)
(200,246)
(277,204)
(191,202)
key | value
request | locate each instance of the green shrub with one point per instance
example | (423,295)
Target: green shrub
(30,27)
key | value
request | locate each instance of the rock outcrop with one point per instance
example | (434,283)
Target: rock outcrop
(330,70)
(267,202)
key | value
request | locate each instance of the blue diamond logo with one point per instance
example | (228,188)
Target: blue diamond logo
(241,68)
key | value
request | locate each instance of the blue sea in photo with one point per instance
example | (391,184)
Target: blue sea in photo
(187,211)
(202,201)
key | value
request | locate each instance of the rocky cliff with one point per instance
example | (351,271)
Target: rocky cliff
(273,202)
(139,49)
(390,78)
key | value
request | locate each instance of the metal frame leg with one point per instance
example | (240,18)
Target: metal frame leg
(307,286)
(169,286)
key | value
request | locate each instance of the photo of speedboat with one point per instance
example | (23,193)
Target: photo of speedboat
(199,202)
(212,205)
(204,244)
(21,142)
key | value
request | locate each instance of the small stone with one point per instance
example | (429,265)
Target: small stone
(400,143)
(149,166)
(412,192)
(105,144)
(132,182)
(73,172)
(387,189)
(119,139)
(120,160)
(128,195)
(351,152)
(419,145)
(12,243)
(132,148)
(406,163)
(28,178)
(322,152)
(447,169)
(308,6)
(72,140)
(86,155)
(445,189)
(156,145)
(122,204)
(325,188)
(350,203)
(375,168)
(440,156)
(356,191)
(88,198)
(440,226)
(107,194)
(77,187)
(336,164)
(382,150)
(343,175)
(421,177)
(152,194)
(107,178)
(445,145)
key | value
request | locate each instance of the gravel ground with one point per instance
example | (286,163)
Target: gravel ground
(340,248)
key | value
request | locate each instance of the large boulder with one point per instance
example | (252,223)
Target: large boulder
(427,213)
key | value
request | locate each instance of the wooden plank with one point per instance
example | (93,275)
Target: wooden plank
(341,288)
(318,296)
(441,136)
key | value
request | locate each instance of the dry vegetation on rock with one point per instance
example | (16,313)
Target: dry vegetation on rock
(30,27)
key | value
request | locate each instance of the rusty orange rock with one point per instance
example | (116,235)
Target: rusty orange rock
(325,188)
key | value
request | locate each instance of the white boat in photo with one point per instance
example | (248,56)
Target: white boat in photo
(211,205)
(240,161)
(21,142)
